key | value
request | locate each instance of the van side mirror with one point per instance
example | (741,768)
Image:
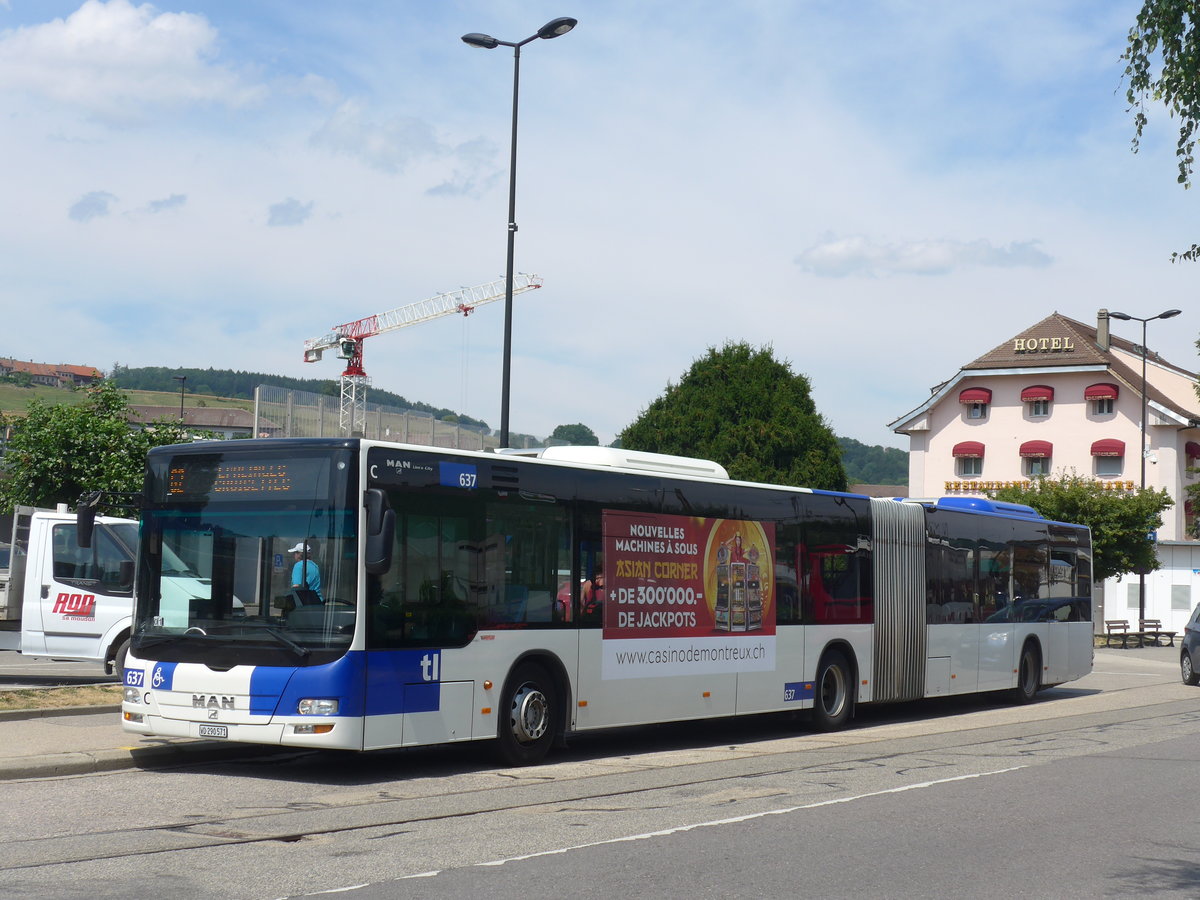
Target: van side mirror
(85,518)
(381,530)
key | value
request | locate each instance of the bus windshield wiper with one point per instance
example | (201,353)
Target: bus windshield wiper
(299,649)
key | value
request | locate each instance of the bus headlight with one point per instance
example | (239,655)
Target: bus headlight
(317,707)
(133,695)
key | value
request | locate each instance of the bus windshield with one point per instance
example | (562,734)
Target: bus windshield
(247,560)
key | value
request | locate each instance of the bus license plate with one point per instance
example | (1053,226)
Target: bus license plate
(214,731)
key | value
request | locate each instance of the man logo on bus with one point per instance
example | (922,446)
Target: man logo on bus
(80,605)
(430,666)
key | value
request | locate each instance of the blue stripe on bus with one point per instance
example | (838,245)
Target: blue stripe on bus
(403,681)
(277,691)
(396,681)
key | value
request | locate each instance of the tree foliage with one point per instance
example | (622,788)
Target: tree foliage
(59,451)
(747,411)
(1162,56)
(578,434)
(1121,523)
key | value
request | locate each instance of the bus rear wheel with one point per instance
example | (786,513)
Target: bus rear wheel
(833,696)
(1029,675)
(528,716)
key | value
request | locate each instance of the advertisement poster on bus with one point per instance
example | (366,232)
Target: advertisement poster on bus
(687,595)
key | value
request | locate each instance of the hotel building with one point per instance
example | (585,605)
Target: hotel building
(1064,397)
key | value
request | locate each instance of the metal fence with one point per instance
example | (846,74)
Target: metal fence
(281,412)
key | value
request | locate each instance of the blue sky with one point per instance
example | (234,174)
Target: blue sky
(881,191)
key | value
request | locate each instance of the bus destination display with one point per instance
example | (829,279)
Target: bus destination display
(247,478)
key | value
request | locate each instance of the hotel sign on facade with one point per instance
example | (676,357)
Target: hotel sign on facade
(1043,345)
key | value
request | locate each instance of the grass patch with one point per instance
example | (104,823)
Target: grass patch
(61,697)
(16,400)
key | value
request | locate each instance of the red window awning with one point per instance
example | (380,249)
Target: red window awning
(1192,449)
(975,395)
(969,448)
(1037,392)
(1101,392)
(1037,448)
(1108,447)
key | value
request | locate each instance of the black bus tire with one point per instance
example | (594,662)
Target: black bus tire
(833,693)
(1029,675)
(528,714)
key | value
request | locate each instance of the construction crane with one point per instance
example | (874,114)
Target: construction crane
(348,339)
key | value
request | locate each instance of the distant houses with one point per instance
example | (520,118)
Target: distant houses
(53,375)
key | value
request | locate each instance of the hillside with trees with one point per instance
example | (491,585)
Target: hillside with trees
(873,465)
(228,383)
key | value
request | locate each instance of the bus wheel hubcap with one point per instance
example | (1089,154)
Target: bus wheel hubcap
(530,713)
(833,691)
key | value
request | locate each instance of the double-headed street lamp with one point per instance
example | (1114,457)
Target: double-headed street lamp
(1169,314)
(551,29)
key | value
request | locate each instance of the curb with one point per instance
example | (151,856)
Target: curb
(187,752)
(10,715)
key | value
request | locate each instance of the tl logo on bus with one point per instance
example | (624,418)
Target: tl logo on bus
(431,664)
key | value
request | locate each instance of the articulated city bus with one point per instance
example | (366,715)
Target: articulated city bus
(355,594)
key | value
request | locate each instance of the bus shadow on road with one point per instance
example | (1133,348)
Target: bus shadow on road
(348,768)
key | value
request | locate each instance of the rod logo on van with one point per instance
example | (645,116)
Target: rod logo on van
(76,607)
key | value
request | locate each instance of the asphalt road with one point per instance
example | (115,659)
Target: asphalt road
(17,671)
(1081,794)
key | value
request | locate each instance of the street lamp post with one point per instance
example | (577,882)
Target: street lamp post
(551,29)
(182,379)
(1169,314)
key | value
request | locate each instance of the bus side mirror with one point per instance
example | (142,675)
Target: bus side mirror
(85,518)
(381,529)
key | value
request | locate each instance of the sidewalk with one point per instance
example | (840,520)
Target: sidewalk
(84,740)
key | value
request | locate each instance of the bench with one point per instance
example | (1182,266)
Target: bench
(1152,628)
(1115,627)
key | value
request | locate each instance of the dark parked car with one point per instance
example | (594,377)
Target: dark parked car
(1189,655)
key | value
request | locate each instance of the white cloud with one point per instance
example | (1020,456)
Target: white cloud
(390,146)
(114,60)
(858,255)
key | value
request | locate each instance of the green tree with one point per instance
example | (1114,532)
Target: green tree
(578,434)
(59,451)
(751,413)
(1161,55)
(1120,523)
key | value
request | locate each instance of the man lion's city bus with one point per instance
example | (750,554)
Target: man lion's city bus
(522,596)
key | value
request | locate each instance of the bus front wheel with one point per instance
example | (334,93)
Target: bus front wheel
(528,711)
(833,696)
